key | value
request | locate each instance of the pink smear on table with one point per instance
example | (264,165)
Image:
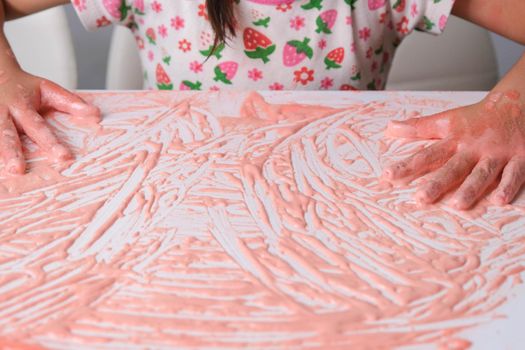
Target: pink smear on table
(183,225)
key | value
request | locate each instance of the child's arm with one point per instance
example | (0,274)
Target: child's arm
(22,95)
(478,142)
(19,8)
(504,17)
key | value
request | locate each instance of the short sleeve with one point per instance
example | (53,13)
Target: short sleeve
(99,13)
(424,15)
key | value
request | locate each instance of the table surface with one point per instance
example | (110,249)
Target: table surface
(181,224)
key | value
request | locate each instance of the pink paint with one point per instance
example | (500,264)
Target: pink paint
(176,227)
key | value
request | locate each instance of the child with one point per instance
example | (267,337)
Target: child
(298,44)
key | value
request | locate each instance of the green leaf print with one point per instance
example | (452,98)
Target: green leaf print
(351,3)
(165,86)
(261,53)
(397,4)
(262,22)
(302,47)
(313,4)
(428,23)
(331,64)
(124,10)
(211,52)
(322,26)
(193,86)
(220,76)
(167,60)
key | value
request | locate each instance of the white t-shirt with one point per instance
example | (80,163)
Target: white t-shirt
(280,44)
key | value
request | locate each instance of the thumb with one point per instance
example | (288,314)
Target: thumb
(436,126)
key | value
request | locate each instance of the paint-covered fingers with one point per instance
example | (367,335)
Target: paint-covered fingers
(475,185)
(37,130)
(446,178)
(54,96)
(422,162)
(437,126)
(10,147)
(512,179)
(256,106)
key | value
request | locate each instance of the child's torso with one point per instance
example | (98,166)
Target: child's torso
(280,44)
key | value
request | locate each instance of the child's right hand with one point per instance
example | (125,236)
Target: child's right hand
(22,97)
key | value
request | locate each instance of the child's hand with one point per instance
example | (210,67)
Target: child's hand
(22,96)
(476,143)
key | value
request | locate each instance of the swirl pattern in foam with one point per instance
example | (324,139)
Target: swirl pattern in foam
(221,221)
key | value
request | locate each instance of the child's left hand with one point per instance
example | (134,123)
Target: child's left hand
(476,143)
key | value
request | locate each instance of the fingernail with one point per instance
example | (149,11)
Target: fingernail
(80,105)
(429,193)
(60,153)
(499,198)
(396,170)
(85,110)
(422,197)
(458,204)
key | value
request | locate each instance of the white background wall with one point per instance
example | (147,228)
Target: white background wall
(92,49)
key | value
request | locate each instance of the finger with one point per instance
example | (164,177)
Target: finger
(10,147)
(436,126)
(422,162)
(446,178)
(483,175)
(35,127)
(512,179)
(57,97)
(256,106)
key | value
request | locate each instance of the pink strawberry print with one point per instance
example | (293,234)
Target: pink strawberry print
(188,85)
(163,80)
(139,6)
(151,35)
(226,71)
(326,21)
(296,51)
(335,58)
(117,8)
(376,4)
(347,87)
(257,45)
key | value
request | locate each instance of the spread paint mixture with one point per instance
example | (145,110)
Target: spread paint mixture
(220,221)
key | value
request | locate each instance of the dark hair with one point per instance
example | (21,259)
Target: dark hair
(222,18)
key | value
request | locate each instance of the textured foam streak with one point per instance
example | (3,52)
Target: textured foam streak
(183,225)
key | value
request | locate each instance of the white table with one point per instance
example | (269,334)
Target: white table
(181,225)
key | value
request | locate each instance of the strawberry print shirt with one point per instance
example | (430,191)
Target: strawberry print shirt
(280,44)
